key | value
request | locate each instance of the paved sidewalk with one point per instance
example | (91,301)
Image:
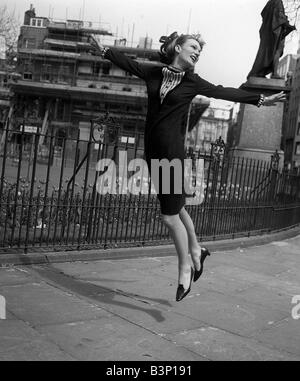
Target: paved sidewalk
(125,309)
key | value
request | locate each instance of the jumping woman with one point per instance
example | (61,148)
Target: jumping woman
(171,88)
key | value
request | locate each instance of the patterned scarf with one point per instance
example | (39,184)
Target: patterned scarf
(171,79)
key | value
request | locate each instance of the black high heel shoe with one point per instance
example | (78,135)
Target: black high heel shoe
(204,254)
(181,292)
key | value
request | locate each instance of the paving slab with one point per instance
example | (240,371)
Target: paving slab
(250,264)
(291,275)
(252,277)
(10,316)
(38,303)
(270,248)
(91,287)
(152,288)
(277,252)
(283,335)
(115,339)
(139,284)
(219,345)
(21,342)
(229,313)
(152,312)
(82,267)
(121,270)
(156,318)
(125,309)
(12,275)
(270,297)
(221,283)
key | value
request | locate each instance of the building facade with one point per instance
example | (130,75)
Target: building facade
(214,123)
(8,75)
(5,94)
(63,86)
(289,68)
(287,65)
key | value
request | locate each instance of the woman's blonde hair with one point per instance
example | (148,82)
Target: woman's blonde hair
(167,49)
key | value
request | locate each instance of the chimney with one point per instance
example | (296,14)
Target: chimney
(29,15)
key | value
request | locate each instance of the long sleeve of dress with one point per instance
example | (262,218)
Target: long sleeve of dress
(126,63)
(227,93)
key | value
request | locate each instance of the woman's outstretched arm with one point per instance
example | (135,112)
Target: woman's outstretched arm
(236,95)
(120,59)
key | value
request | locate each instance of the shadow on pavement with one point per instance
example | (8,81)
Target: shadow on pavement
(98,293)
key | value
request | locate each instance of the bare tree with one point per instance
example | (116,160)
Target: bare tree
(9,28)
(292,10)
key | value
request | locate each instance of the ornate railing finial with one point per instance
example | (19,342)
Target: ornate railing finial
(275,158)
(218,148)
(105,125)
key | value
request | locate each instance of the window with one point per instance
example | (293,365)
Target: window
(27,72)
(3,82)
(46,74)
(60,136)
(137,109)
(211,113)
(128,129)
(36,22)
(60,109)
(63,74)
(27,75)
(207,135)
(116,106)
(297,149)
(298,132)
(105,69)
(207,146)
(29,43)
(127,139)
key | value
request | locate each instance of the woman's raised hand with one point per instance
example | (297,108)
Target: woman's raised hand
(273,99)
(96,47)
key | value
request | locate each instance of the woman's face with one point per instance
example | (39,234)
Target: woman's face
(188,53)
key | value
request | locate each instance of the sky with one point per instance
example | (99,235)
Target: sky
(230,28)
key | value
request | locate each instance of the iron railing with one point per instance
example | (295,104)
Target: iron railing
(49,198)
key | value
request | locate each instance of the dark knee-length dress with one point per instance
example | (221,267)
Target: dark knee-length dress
(166,119)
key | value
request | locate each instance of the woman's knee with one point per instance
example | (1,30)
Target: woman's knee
(170,220)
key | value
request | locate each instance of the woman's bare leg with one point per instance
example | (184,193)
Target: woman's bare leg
(180,237)
(193,245)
